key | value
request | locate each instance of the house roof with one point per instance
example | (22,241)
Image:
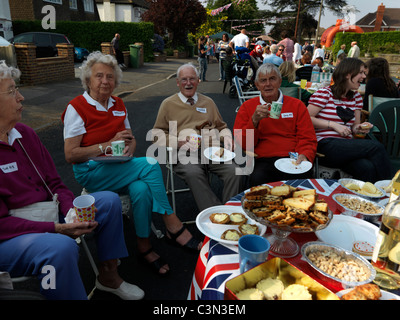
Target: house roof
(135,3)
(391,18)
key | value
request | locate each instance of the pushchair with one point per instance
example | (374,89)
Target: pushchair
(242,67)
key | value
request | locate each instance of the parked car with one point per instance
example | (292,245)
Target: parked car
(46,44)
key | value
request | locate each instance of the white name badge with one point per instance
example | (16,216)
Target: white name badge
(118,113)
(202,110)
(9,167)
(287,115)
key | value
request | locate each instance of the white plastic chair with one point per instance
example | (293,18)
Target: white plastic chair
(243,96)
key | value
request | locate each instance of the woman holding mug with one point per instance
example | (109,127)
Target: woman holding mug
(92,122)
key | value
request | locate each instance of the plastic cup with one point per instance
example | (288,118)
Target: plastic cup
(84,208)
(303,83)
(196,139)
(276,108)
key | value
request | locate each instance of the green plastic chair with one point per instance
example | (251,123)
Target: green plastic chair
(294,92)
(386,120)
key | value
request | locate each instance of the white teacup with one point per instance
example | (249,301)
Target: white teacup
(117,148)
(196,139)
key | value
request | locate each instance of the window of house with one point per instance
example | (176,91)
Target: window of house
(54,1)
(73,4)
(88,5)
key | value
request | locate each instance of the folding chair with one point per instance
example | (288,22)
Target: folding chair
(243,96)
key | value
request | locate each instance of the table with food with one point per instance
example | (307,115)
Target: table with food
(322,236)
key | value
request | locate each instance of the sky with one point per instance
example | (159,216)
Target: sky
(363,6)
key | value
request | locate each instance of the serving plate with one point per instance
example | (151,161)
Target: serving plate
(343,231)
(215,230)
(385,294)
(343,182)
(345,210)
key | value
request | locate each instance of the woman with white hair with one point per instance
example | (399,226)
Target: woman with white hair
(94,120)
(44,246)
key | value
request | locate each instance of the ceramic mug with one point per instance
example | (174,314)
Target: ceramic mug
(84,208)
(253,250)
(196,139)
(117,148)
(276,108)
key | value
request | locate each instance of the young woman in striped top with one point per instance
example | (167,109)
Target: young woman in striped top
(336,114)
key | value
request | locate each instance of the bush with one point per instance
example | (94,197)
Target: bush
(90,34)
(372,42)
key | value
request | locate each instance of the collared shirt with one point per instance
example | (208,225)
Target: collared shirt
(76,124)
(280,99)
(185,99)
(13,135)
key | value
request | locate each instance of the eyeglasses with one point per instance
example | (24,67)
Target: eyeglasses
(12,92)
(280,49)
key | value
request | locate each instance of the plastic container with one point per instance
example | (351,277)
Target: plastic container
(315,74)
(134,55)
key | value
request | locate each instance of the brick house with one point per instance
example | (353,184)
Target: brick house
(384,19)
(66,10)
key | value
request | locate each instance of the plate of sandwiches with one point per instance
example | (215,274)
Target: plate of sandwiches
(287,208)
(219,154)
(227,224)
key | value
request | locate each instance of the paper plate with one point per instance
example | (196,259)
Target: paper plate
(343,231)
(210,153)
(111,159)
(215,230)
(286,165)
(382,184)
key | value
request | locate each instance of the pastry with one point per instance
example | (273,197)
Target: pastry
(271,288)
(231,235)
(296,292)
(220,218)
(250,294)
(248,229)
(237,218)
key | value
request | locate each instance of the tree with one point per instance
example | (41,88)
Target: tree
(244,13)
(308,8)
(177,17)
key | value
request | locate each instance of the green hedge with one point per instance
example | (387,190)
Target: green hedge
(90,34)
(372,42)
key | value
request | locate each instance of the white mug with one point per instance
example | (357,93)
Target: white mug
(117,148)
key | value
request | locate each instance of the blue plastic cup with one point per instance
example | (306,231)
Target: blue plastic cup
(253,250)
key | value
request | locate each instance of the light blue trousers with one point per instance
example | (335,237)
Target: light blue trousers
(140,177)
(28,254)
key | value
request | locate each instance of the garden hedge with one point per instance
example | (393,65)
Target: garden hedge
(90,34)
(369,42)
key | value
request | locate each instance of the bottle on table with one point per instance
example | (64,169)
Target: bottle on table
(315,74)
(386,255)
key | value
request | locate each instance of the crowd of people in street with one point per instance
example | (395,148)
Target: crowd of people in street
(326,121)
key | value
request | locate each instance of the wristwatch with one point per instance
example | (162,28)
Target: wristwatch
(101,148)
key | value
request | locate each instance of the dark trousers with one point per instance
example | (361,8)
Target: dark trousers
(119,56)
(364,159)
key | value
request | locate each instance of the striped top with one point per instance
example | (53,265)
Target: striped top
(339,111)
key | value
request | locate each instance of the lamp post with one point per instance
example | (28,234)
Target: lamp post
(319,20)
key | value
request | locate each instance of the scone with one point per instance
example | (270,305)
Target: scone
(271,288)
(237,218)
(231,235)
(248,229)
(220,218)
(250,294)
(296,292)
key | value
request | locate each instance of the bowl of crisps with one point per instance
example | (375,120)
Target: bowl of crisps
(361,188)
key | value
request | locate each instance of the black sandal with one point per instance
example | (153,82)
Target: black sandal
(155,265)
(192,245)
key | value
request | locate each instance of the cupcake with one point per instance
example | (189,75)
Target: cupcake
(296,292)
(271,288)
(250,294)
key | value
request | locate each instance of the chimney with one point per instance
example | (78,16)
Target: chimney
(379,17)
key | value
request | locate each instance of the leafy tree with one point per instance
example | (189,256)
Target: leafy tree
(308,9)
(214,24)
(176,17)
(245,13)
